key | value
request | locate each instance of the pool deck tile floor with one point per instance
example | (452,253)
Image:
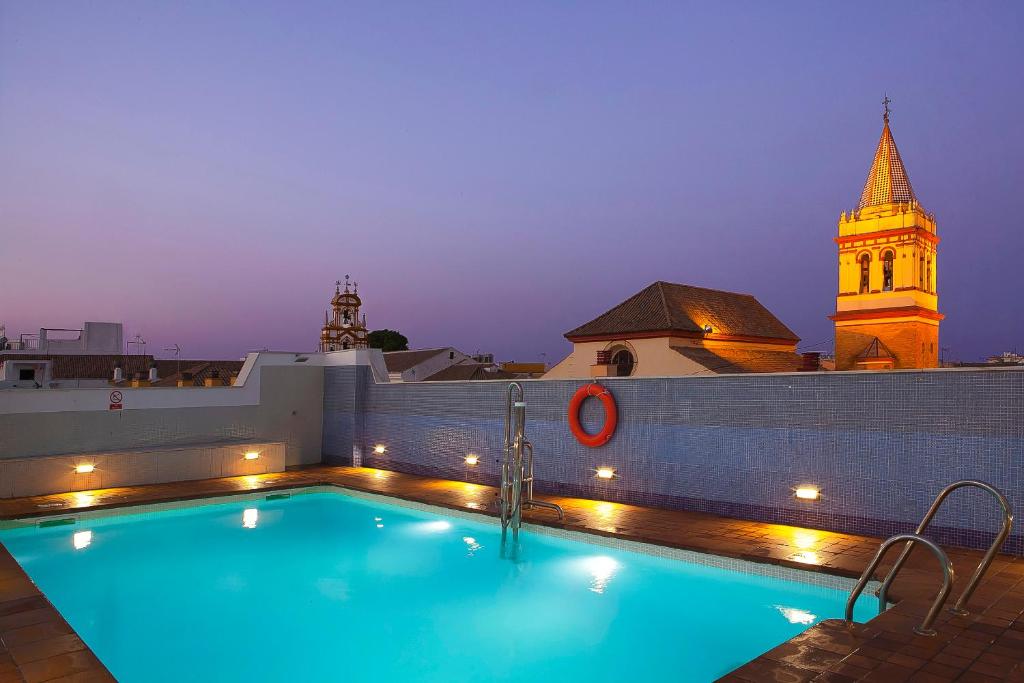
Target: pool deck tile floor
(37,645)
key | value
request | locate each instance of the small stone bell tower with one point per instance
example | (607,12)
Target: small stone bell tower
(343,329)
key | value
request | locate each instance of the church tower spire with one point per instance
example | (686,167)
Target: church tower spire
(887,306)
(887,181)
(344,330)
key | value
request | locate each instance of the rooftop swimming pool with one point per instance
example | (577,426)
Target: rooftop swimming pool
(327,586)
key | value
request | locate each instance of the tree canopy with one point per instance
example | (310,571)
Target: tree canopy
(388,340)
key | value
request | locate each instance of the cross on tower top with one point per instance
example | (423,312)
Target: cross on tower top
(885,108)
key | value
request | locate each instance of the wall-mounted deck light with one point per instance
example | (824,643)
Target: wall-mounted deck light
(605,473)
(85,468)
(472,459)
(807,493)
(379,449)
(252,455)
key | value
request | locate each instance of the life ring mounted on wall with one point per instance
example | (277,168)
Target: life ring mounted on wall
(611,415)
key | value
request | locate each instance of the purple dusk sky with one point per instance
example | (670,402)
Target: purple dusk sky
(493,174)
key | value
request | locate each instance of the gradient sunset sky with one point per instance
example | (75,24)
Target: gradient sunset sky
(493,174)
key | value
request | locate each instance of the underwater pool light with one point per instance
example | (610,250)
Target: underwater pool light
(82,539)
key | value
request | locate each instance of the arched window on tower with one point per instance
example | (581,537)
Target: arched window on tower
(865,273)
(887,259)
(920,273)
(928,282)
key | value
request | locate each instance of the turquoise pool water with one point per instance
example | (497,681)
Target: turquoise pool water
(329,587)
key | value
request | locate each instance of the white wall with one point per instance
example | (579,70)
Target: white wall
(57,474)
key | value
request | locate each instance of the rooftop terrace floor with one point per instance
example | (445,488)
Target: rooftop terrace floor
(36,644)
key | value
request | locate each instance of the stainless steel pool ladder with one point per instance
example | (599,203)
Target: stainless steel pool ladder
(517,468)
(961,603)
(510,493)
(529,501)
(925,629)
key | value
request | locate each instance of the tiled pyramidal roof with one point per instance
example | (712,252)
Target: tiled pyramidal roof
(887,181)
(670,307)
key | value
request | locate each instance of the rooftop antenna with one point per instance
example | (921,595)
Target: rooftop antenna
(138,341)
(177,357)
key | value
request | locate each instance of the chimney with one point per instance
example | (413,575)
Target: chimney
(811,361)
(213,380)
(152,373)
(118,372)
(186,380)
(139,380)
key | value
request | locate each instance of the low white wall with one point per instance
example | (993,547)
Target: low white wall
(38,476)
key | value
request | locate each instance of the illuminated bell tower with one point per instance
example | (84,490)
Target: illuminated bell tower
(343,329)
(887,308)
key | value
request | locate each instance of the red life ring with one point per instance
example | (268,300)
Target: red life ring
(611,415)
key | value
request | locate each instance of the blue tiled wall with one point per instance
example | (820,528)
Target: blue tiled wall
(879,445)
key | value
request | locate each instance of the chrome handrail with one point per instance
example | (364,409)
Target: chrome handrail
(516,469)
(530,501)
(925,629)
(512,461)
(983,566)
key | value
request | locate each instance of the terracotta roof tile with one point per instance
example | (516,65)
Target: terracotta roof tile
(85,366)
(400,361)
(469,371)
(168,375)
(735,361)
(670,307)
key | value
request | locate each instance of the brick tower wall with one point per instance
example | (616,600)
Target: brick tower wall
(915,344)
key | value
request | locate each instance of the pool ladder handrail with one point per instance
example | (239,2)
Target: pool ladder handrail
(529,501)
(925,629)
(960,607)
(515,469)
(510,492)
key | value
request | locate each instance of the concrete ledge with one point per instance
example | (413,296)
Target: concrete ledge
(37,476)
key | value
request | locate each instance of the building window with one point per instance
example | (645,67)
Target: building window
(865,273)
(623,362)
(887,258)
(920,272)
(26,375)
(928,282)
